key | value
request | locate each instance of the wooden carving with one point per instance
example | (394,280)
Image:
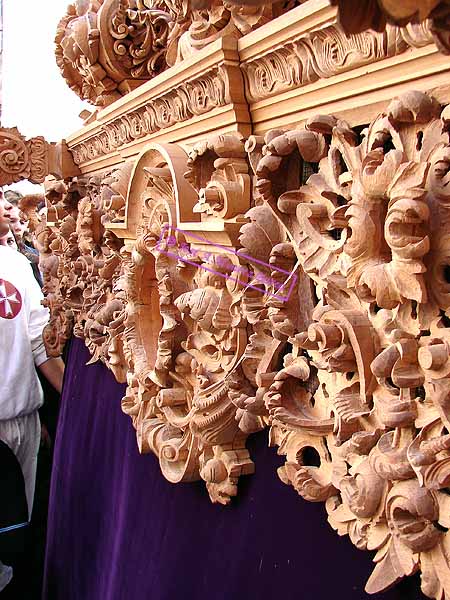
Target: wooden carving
(296,279)
(82,266)
(187,379)
(106,48)
(325,53)
(199,23)
(208,91)
(357,16)
(32,159)
(359,407)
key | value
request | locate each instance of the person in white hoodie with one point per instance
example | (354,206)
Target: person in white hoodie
(22,321)
(22,350)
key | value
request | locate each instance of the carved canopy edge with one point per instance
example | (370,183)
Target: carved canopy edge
(276,74)
(106,48)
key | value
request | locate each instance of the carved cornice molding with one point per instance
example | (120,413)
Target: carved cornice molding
(322,54)
(277,72)
(356,16)
(31,159)
(190,99)
(207,88)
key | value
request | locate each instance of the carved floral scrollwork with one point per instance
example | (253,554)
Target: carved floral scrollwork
(324,53)
(82,265)
(359,407)
(140,38)
(21,158)
(200,23)
(324,316)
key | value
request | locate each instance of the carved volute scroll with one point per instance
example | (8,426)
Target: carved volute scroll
(359,407)
(105,48)
(122,189)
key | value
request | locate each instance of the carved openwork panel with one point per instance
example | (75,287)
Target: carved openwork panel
(297,280)
(82,264)
(323,314)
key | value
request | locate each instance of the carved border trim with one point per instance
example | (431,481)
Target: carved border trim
(207,83)
(322,54)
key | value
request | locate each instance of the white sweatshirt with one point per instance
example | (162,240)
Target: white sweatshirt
(22,320)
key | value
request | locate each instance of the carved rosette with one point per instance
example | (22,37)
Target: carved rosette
(106,48)
(21,158)
(359,407)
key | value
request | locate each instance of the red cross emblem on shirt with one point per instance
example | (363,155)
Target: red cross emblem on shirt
(10,300)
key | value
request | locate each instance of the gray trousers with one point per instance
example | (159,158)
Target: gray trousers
(23,436)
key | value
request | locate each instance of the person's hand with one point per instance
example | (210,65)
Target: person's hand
(46,440)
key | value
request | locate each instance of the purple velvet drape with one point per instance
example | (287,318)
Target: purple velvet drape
(119,531)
